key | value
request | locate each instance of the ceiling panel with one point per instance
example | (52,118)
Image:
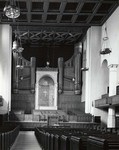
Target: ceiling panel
(55,18)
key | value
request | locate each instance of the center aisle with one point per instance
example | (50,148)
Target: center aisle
(26,140)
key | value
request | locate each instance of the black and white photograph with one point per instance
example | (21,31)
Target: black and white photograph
(59,74)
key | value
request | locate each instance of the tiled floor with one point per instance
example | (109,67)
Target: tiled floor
(26,140)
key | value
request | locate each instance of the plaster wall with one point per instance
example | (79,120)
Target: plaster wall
(112,25)
(95,81)
(5,66)
(97,77)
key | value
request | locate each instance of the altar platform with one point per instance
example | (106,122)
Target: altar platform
(30,125)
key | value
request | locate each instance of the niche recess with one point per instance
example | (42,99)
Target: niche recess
(46,89)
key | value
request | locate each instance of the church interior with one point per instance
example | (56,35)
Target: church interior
(59,74)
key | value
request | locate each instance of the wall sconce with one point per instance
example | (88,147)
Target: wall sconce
(20,64)
(72,79)
(21,78)
(84,69)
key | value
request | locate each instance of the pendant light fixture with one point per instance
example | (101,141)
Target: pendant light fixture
(106,48)
(18,49)
(11,9)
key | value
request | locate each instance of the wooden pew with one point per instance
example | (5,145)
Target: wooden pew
(76,138)
(105,142)
(52,140)
(47,141)
(75,143)
(8,136)
(0,140)
(40,135)
(65,143)
(57,142)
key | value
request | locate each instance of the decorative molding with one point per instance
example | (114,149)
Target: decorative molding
(47,69)
(113,66)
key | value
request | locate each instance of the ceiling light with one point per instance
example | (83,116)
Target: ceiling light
(105,44)
(11,10)
(17,45)
(18,49)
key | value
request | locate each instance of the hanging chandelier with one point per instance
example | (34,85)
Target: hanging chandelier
(17,46)
(105,44)
(19,62)
(11,10)
(18,49)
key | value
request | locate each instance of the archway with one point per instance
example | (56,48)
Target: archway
(46,91)
(105,76)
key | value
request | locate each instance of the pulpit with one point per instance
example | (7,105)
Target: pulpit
(46,89)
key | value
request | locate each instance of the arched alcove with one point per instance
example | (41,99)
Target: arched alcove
(46,90)
(105,76)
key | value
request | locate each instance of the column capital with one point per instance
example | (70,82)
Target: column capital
(113,66)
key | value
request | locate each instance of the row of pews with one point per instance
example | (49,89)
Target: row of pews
(8,135)
(63,138)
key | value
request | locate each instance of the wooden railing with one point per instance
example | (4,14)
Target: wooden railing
(107,101)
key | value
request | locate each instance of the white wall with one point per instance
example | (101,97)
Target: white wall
(97,77)
(93,62)
(5,65)
(112,25)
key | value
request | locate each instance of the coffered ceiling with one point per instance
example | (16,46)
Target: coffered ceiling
(57,21)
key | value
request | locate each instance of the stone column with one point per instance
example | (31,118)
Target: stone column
(61,72)
(112,91)
(77,67)
(33,66)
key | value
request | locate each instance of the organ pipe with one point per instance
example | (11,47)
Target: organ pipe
(33,64)
(77,68)
(61,72)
